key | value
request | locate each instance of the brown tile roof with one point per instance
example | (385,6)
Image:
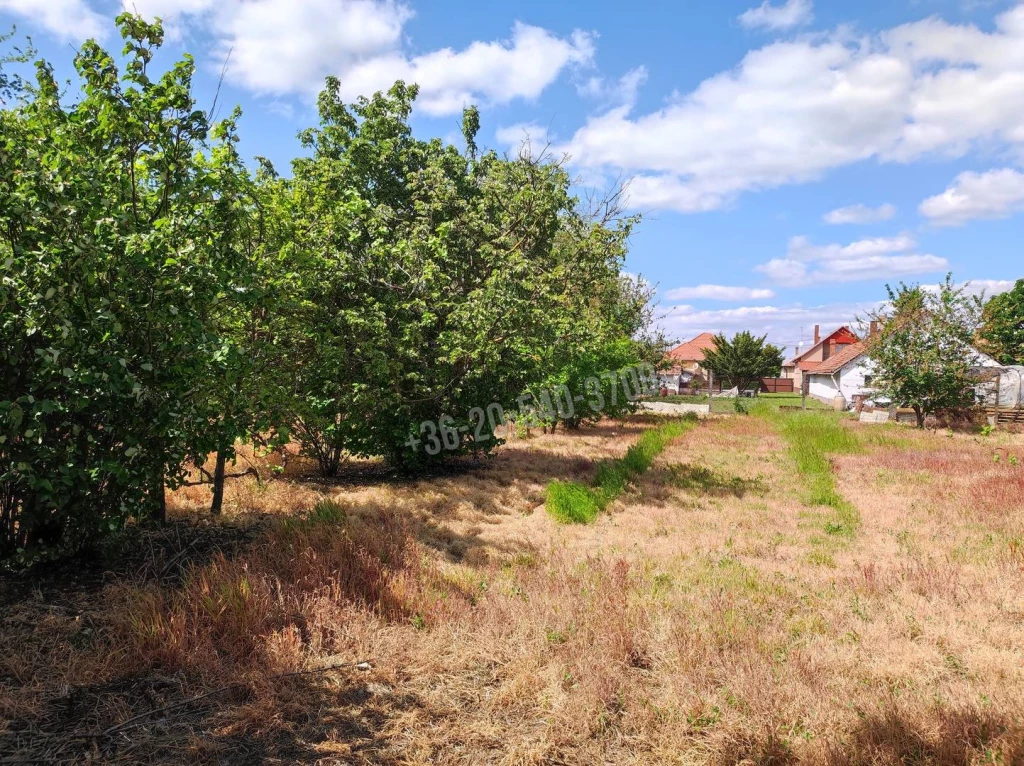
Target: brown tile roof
(693,350)
(841,335)
(840,359)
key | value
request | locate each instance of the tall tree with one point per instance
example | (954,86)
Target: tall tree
(116,257)
(744,360)
(923,352)
(1002,326)
(430,281)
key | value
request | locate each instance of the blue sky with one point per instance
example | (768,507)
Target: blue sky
(789,158)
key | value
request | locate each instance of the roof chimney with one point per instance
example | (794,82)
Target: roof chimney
(874,328)
(817,334)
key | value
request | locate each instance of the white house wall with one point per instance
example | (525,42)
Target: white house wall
(848,381)
(823,387)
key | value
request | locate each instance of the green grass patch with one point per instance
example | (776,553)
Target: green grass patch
(572,503)
(812,437)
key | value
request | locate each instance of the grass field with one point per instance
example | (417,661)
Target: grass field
(776,588)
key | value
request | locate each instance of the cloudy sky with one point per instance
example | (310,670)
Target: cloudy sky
(789,158)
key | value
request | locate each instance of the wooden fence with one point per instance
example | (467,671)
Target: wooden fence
(777,385)
(1001,415)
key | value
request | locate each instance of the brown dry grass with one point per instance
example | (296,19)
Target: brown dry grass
(709,617)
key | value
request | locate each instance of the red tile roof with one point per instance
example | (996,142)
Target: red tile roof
(840,359)
(841,336)
(693,350)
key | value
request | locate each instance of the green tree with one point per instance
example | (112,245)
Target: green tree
(11,85)
(1002,326)
(428,281)
(923,352)
(744,360)
(115,262)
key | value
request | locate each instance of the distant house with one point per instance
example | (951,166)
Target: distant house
(688,356)
(850,373)
(685,361)
(821,350)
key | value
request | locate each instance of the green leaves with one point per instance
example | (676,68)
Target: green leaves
(923,353)
(1002,330)
(122,251)
(744,360)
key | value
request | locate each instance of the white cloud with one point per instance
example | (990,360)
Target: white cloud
(995,194)
(667,191)
(986,287)
(793,111)
(497,72)
(860,214)
(784,325)
(878,258)
(790,14)
(622,91)
(280,48)
(71,20)
(719,293)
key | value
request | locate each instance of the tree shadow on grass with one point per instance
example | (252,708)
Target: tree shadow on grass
(662,483)
(343,718)
(950,738)
(708,481)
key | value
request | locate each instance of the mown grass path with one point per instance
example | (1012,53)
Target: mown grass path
(812,437)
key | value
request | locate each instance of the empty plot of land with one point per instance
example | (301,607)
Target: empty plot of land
(713,612)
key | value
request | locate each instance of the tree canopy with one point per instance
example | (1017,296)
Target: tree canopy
(160,302)
(1002,326)
(923,352)
(744,360)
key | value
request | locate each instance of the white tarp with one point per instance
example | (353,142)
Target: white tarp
(1002,387)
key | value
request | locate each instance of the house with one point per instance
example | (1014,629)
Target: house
(821,350)
(689,355)
(850,372)
(685,361)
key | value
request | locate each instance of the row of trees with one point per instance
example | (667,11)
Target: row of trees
(160,302)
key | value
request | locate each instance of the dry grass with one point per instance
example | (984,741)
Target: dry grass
(706,618)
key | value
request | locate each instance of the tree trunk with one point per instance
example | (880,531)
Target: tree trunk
(218,483)
(159,512)
(919,414)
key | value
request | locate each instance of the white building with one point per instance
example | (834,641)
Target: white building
(849,373)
